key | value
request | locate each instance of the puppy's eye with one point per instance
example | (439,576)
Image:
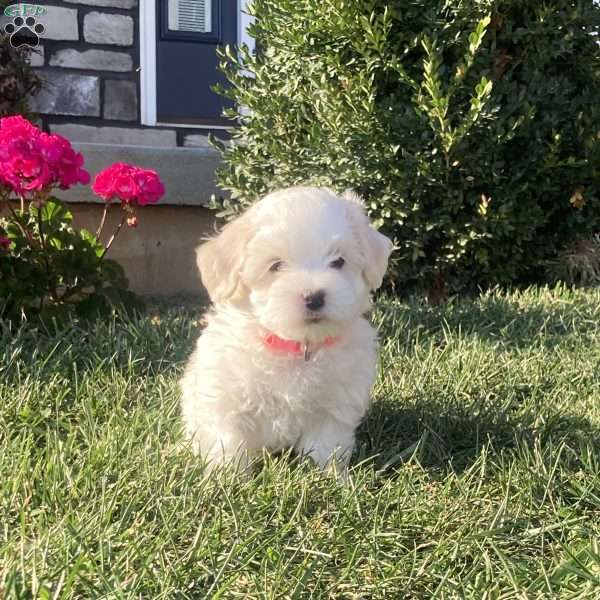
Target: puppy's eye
(276,266)
(338,263)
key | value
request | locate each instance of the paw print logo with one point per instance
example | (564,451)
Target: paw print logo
(24,32)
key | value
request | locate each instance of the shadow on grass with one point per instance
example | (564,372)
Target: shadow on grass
(445,439)
(143,344)
(452,435)
(517,321)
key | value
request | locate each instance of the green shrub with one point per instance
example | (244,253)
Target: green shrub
(470,127)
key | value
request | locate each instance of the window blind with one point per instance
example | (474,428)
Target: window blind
(190,15)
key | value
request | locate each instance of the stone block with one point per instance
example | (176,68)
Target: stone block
(120,100)
(59,23)
(68,94)
(37,57)
(98,60)
(106,28)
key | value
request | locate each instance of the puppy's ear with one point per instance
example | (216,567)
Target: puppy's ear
(377,247)
(221,259)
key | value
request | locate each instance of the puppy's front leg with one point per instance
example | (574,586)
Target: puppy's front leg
(329,443)
(220,445)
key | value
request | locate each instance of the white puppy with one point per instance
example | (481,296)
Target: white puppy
(287,358)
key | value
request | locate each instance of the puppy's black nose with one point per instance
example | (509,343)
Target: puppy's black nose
(314,300)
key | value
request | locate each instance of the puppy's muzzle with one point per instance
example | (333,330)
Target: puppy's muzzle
(314,301)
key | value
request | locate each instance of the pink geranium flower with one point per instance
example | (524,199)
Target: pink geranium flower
(32,161)
(65,164)
(4,242)
(17,123)
(129,184)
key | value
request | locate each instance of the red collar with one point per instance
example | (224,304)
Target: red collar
(277,344)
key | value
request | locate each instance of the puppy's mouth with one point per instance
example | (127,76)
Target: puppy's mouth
(312,317)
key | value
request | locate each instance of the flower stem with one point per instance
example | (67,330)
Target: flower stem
(26,233)
(114,235)
(102,221)
(51,289)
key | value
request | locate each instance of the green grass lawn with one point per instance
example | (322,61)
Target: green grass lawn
(477,471)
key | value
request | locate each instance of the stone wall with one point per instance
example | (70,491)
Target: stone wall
(89,58)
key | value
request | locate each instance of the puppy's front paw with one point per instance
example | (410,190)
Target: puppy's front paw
(223,449)
(330,445)
(339,469)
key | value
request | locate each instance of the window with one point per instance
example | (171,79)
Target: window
(190,16)
(179,63)
(195,20)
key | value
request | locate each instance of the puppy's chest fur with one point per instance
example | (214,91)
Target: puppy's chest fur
(275,397)
(289,395)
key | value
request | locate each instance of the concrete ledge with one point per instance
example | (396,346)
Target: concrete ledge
(159,254)
(188,173)
(117,136)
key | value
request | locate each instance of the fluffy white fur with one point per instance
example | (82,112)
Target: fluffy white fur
(238,394)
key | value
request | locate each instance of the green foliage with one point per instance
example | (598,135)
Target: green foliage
(51,269)
(470,127)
